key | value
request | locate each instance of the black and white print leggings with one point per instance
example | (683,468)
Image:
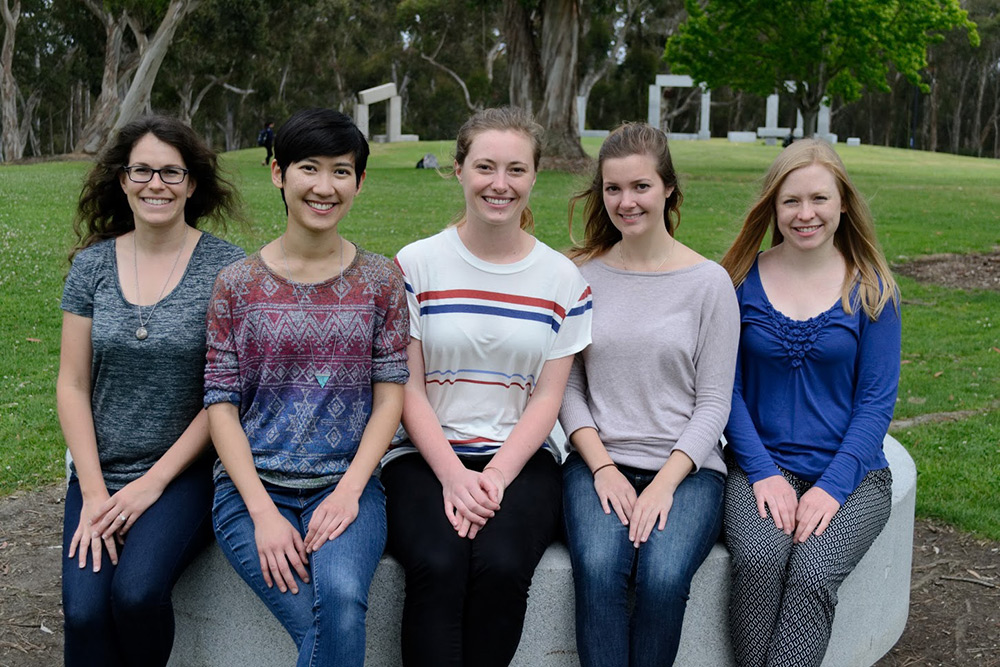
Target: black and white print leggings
(783,594)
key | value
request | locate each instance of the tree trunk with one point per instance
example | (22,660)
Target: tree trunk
(956,118)
(810,116)
(522,55)
(560,34)
(590,79)
(932,117)
(136,99)
(978,133)
(96,127)
(10,146)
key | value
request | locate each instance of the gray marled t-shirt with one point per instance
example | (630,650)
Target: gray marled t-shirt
(144,393)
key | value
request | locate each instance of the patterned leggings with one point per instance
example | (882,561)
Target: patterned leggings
(783,594)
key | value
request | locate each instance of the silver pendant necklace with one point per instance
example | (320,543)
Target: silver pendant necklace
(142,333)
(621,256)
(322,376)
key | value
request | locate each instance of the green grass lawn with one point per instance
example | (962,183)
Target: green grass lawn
(924,203)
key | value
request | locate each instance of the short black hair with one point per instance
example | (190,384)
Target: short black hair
(320,132)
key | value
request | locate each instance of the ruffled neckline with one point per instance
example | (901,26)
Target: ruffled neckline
(797,337)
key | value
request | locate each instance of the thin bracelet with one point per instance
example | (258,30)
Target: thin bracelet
(600,468)
(499,471)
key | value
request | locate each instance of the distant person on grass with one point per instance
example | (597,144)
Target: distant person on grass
(645,406)
(809,488)
(304,388)
(265,138)
(129,391)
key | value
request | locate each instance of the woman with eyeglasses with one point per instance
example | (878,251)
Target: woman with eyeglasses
(129,392)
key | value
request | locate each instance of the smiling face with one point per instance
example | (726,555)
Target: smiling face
(808,208)
(634,194)
(318,191)
(156,203)
(497,176)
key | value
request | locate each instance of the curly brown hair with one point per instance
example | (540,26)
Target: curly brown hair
(103,211)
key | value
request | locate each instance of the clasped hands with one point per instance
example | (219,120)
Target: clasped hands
(471,498)
(805,516)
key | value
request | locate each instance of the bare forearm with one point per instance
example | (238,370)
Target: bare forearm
(185,451)
(234,451)
(678,466)
(424,431)
(536,421)
(77,422)
(526,437)
(587,442)
(387,408)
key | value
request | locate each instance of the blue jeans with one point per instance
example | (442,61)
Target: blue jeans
(661,569)
(122,615)
(326,618)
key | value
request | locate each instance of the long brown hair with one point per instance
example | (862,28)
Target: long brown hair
(855,237)
(599,233)
(506,118)
(103,211)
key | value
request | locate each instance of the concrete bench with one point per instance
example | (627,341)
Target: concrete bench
(221,623)
(742,137)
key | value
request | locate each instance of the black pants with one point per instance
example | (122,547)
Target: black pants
(466,599)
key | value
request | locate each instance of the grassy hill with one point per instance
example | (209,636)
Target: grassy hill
(924,203)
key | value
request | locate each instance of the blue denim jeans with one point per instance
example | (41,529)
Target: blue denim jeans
(605,564)
(326,618)
(122,615)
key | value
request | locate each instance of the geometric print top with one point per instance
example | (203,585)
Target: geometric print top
(813,397)
(299,361)
(486,331)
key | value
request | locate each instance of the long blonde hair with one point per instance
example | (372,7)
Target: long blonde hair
(506,118)
(855,237)
(599,233)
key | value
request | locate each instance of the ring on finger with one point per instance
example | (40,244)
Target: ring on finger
(122,517)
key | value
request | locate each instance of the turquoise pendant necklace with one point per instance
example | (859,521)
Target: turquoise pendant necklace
(321,375)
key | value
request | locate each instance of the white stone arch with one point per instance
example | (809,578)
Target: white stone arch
(377,94)
(771,132)
(679,81)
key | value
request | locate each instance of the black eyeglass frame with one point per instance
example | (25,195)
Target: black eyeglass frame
(154,172)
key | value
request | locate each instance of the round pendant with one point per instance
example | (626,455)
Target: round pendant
(141,333)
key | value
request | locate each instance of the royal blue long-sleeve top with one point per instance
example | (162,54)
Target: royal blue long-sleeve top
(814,397)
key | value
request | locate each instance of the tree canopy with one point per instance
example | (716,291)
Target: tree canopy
(71,69)
(827,48)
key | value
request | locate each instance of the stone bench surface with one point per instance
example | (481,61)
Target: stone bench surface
(742,137)
(221,623)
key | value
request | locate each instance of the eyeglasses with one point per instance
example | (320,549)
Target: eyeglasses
(169,175)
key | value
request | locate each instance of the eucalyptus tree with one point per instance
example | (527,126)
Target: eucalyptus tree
(828,48)
(150,46)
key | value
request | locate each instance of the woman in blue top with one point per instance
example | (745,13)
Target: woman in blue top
(809,488)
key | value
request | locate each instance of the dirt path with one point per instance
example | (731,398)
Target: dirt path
(954,606)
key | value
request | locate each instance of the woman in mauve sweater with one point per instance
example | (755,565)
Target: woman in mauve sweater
(644,408)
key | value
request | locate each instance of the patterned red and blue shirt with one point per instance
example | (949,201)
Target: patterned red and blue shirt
(299,361)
